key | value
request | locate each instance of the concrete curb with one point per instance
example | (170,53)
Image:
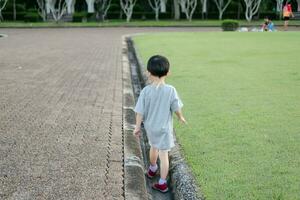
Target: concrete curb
(182,180)
(134,178)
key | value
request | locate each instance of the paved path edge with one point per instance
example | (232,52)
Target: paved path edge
(134,178)
(182,180)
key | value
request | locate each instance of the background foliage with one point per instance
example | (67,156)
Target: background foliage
(27,10)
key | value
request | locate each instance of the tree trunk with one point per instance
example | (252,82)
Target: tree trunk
(50,4)
(42,9)
(121,14)
(128,17)
(3,4)
(48,7)
(248,16)
(70,6)
(127,8)
(163,6)
(73,6)
(90,4)
(220,15)
(252,7)
(100,16)
(101,7)
(183,8)
(279,4)
(239,11)
(204,9)
(15,10)
(298,7)
(190,18)
(176,10)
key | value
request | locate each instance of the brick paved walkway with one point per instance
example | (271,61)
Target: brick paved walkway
(61,113)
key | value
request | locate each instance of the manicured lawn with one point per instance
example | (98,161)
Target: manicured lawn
(136,23)
(242,101)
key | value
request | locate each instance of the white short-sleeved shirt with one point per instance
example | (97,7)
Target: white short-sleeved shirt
(156,104)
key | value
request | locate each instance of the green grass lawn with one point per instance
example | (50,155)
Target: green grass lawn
(136,23)
(242,101)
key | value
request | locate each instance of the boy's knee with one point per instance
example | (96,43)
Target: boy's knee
(163,153)
(153,149)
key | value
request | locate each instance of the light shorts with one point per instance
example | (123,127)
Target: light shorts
(160,150)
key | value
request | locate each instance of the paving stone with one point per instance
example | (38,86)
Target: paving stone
(59,89)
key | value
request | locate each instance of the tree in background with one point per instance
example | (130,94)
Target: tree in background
(176,9)
(188,7)
(252,7)
(14,10)
(221,5)
(279,5)
(102,7)
(155,5)
(50,5)
(70,6)
(127,7)
(58,10)
(42,9)
(204,8)
(2,6)
(163,6)
(91,5)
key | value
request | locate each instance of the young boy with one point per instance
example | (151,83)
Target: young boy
(268,25)
(154,108)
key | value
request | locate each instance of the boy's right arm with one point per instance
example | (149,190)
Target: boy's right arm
(138,123)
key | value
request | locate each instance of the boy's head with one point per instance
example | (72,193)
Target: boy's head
(158,66)
(267,19)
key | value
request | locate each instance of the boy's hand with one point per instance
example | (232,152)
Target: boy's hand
(137,132)
(182,120)
(180,117)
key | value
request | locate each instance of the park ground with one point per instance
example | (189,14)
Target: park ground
(241,94)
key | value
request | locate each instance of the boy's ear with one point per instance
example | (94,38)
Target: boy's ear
(169,73)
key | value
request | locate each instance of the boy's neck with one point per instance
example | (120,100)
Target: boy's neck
(158,81)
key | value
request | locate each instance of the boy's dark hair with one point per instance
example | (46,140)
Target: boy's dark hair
(158,66)
(267,17)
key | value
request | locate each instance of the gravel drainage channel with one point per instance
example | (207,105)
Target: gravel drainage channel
(181,180)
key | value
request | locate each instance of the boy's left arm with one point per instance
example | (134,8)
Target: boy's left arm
(180,116)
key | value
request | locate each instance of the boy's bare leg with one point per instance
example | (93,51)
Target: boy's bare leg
(153,156)
(164,164)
